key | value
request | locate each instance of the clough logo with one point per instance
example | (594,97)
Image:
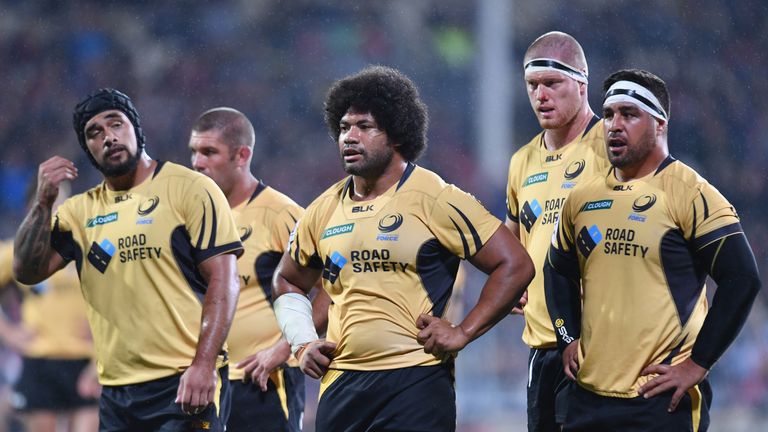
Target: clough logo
(643,203)
(148,206)
(245,232)
(574,169)
(390,222)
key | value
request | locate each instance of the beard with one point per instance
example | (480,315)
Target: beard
(123,168)
(370,165)
(634,154)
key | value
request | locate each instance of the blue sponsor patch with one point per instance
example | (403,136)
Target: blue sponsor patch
(595,233)
(536,207)
(108,247)
(338,259)
(636,217)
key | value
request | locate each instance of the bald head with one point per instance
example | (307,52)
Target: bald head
(559,46)
(233,127)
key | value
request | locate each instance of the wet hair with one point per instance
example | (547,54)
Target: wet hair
(233,126)
(653,83)
(105,99)
(392,99)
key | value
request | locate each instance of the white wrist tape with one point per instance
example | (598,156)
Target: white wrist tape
(294,315)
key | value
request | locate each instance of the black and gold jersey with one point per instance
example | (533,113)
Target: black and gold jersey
(643,290)
(388,260)
(53,311)
(137,253)
(539,181)
(265,222)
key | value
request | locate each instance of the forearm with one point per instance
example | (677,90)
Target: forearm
(218,311)
(32,246)
(563,296)
(502,290)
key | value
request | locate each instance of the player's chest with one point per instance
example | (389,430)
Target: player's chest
(624,223)
(374,240)
(130,228)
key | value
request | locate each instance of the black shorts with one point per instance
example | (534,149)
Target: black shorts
(50,385)
(409,399)
(279,409)
(151,406)
(594,413)
(548,390)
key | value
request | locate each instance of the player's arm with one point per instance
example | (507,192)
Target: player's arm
(198,383)
(34,259)
(514,227)
(562,291)
(509,270)
(320,304)
(732,266)
(292,283)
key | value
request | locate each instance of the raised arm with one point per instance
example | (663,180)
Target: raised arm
(198,383)
(509,270)
(34,259)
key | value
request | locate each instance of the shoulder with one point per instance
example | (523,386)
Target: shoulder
(525,152)
(678,179)
(329,198)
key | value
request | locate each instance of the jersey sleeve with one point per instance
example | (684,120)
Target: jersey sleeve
(461,223)
(62,235)
(562,254)
(282,226)
(707,216)
(209,221)
(303,241)
(513,208)
(6,263)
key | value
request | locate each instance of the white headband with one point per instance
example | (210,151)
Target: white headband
(628,91)
(548,64)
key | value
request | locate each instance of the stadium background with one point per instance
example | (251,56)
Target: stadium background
(274,60)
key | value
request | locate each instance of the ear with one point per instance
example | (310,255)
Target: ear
(661,126)
(243,156)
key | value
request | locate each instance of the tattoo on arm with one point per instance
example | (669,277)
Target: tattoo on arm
(32,246)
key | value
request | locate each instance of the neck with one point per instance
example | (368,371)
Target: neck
(555,139)
(365,189)
(242,190)
(646,166)
(143,170)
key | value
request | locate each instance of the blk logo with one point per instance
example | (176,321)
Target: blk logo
(553,158)
(362,209)
(622,188)
(122,198)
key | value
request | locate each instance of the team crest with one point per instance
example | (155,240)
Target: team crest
(148,206)
(245,232)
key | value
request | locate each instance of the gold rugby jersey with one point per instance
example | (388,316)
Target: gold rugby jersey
(53,311)
(265,222)
(137,253)
(643,292)
(539,181)
(388,260)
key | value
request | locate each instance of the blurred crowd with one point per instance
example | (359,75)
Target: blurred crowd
(274,61)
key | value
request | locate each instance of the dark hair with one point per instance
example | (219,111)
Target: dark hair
(391,98)
(656,85)
(101,100)
(233,126)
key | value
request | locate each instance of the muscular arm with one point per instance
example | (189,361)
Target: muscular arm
(198,383)
(509,270)
(34,260)
(514,227)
